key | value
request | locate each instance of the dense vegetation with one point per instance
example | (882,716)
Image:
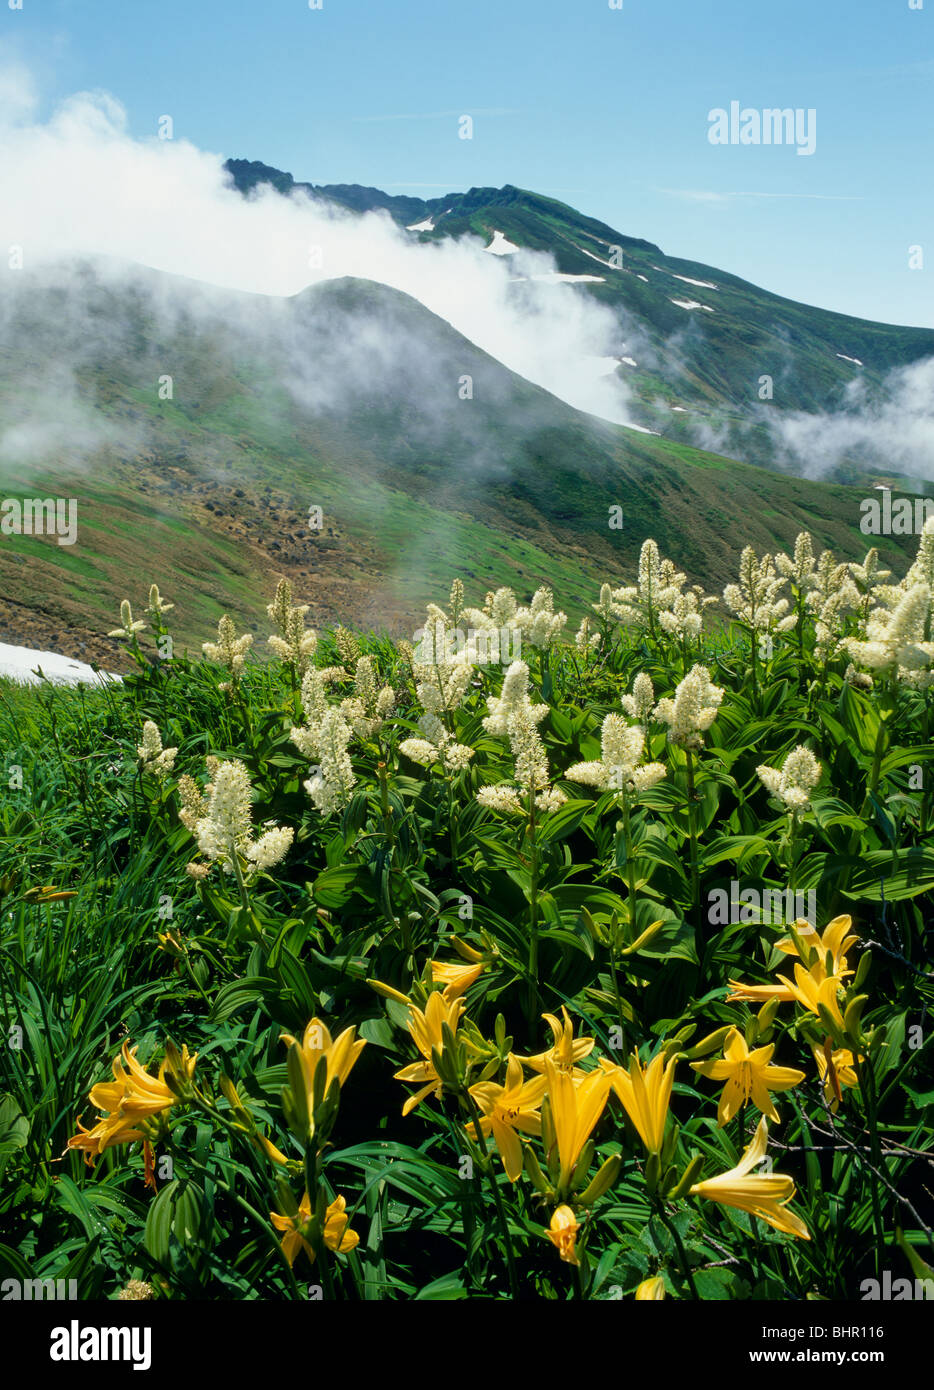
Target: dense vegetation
(387,970)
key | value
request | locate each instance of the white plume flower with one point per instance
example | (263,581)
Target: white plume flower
(754,600)
(639,704)
(294,643)
(129,626)
(693,709)
(229,650)
(794,782)
(225,830)
(621,748)
(896,638)
(152,756)
(330,786)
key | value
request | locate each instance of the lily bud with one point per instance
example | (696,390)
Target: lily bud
(862,969)
(537,1177)
(604,1180)
(644,939)
(852,1017)
(583,1163)
(706,1045)
(688,1178)
(765,1018)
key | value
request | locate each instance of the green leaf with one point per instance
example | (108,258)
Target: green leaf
(335,886)
(892,877)
(565,820)
(448,1287)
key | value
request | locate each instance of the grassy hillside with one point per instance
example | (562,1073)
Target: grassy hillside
(279,406)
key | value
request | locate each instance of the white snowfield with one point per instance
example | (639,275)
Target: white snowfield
(591,256)
(21,663)
(692,304)
(855,360)
(630,361)
(500,245)
(701,284)
(426,226)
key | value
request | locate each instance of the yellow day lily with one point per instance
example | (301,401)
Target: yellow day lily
(505,1110)
(814,987)
(757,994)
(748,1076)
(562,1232)
(833,938)
(575,1108)
(651,1290)
(456,979)
(841,1072)
(341,1054)
(645,1094)
(565,1050)
(425,1027)
(130,1100)
(336,1237)
(765,1195)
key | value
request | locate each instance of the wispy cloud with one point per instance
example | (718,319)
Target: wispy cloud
(703,195)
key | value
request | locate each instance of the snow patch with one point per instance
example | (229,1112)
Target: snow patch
(692,304)
(20,664)
(630,361)
(855,360)
(641,429)
(592,257)
(500,245)
(426,226)
(701,284)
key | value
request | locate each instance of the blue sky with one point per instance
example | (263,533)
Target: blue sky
(605,109)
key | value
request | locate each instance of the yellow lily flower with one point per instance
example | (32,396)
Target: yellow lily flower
(508,1109)
(341,1054)
(456,979)
(757,994)
(833,938)
(295,1229)
(645,1094)
(565,1050)
(841,1072)
(562,1232)
(748,1076)
(765,1195)
(651,1290)
(814,987)
(575,1107)
(131,1099)
(425,1027)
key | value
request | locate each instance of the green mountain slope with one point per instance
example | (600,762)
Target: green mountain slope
(344,398)
(706,360)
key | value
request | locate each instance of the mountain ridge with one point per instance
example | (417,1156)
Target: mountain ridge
(701,339)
